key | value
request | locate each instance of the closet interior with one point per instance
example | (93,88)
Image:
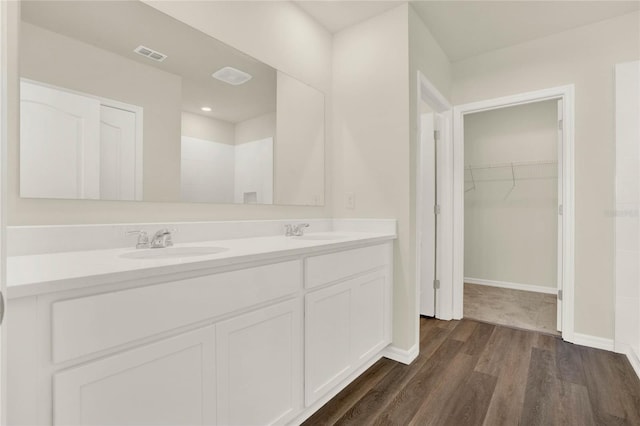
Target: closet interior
(512,182)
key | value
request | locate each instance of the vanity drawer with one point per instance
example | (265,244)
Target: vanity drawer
(94,323)
(333,267)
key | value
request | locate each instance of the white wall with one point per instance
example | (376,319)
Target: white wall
(277,33)
(627,301)
(256,128)
(208,128)
(511,234)
(584,56)
(299,152)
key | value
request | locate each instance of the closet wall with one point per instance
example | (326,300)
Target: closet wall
(511,213)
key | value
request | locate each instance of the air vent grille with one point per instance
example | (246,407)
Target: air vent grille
(232,76)
(150,53)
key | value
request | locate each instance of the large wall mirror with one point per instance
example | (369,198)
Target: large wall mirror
(119,101)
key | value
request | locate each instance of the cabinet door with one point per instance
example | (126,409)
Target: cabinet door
(328,339)
(346,325)
(171,382)
(259,366)
(371,315)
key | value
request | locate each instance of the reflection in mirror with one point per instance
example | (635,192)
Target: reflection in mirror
(122,102)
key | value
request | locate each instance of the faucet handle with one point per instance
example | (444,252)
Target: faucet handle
(143,238)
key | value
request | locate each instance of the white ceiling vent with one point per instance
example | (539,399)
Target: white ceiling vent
(232,76)
(150,53)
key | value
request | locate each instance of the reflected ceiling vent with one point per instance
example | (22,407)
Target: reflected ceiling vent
(232,76)
(150,53)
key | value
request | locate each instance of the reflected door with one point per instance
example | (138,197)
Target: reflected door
(59,143)
(117,154)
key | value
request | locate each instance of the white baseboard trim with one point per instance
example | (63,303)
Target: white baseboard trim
(401,355)
(593,341)
(634,359)
(513,286)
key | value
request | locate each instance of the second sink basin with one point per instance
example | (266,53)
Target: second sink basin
(172,252)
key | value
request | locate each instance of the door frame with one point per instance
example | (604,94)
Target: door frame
(428,93)
(567,95)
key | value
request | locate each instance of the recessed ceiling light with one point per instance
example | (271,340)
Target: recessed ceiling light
(232,76)
(206,109)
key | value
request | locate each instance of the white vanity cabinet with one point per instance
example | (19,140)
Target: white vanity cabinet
(254,343)
(348,320)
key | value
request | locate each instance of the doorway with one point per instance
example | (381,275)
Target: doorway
(511,227)
(562,98)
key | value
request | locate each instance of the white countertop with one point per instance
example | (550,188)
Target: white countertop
(45,273)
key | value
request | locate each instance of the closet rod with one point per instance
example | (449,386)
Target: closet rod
(509,165)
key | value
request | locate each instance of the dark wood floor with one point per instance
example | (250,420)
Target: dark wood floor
(473,373)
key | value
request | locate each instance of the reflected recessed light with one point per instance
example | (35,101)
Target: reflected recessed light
(206,109)
(232,76)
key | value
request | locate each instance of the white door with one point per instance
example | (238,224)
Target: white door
(259,366)
(171,382)
(428,217)
(59,143)
(560,229)
(117,154)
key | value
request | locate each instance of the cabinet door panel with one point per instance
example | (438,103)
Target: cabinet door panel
(171,382)
(328,339)
(259,365)
(370,315)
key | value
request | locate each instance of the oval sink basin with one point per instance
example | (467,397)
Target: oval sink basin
(172,252)
(321,237)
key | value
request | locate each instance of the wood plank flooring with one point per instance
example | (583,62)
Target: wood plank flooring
(474,373)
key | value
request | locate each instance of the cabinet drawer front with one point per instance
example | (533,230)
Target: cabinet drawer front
(332,267)
(170,382)
(90,324)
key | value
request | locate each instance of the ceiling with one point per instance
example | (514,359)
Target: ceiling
(120,26)
(468,28)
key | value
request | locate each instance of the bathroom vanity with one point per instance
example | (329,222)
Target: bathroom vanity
(262,331)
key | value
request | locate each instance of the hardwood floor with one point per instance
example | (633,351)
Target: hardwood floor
(473,373)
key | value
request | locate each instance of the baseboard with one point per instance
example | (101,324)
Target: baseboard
(400,355)
(513,286)
(634,359)
(593,341)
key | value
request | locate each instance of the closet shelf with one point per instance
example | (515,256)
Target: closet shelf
(528,170)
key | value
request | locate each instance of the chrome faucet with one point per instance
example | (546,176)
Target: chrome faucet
(161,239)
(292,230)
(143,239)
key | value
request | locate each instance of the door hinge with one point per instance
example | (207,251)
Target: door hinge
(559,294)
(436,134)
(560,210)
(560,124)
(436,284)
(436,209)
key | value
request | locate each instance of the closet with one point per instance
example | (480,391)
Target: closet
(511,217)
